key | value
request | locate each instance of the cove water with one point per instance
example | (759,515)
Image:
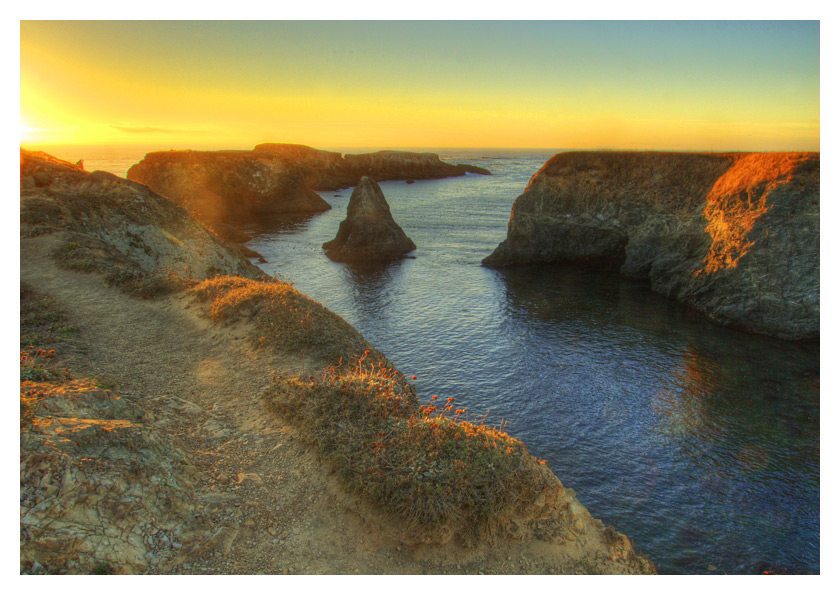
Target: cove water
(698,442)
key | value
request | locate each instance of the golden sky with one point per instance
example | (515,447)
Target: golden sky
(690,85)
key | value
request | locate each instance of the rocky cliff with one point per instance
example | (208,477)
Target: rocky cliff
(228,186)
(274,178)
(145,445)
(735,236)
(369,233)
(110,218)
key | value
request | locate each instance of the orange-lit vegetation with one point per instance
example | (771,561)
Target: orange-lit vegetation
(431,467)
(739,199)
(283,317)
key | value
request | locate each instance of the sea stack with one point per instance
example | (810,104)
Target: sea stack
(369,233)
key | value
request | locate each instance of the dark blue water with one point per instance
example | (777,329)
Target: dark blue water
(698,442)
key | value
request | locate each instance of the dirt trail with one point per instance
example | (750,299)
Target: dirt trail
(276,509)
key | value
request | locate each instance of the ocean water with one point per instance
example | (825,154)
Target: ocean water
(700,443)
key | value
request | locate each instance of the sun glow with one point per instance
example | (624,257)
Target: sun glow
(26,132)
(506,84)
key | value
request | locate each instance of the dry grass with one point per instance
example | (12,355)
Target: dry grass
(42,321)
(427,465)
(283,317)
(89,255)
(739,199)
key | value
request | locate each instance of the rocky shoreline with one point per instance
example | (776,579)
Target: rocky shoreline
(734,235)
(223,187)
(153,371)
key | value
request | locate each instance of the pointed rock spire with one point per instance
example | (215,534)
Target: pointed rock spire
(369,233)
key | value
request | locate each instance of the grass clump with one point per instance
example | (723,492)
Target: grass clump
(42,321)
(436,471)
(283,317)
(89,255)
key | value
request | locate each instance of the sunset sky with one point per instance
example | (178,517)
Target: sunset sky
(624,85)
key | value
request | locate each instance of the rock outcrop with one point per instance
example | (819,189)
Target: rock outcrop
(228,186)
(274,178)
(735,235)
(121,219)
(401,165)
(369,233)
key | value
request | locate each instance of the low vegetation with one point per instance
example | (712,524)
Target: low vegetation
(89,255)
(283,317)
(42,321)
(438,472)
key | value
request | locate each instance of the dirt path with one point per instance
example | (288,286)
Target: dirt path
(276,509)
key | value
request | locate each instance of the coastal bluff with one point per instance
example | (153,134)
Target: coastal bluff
(167,391)
(235,186)
(733,235)
(369,233)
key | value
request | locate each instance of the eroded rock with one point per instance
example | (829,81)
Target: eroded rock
(735,236)
(369,233)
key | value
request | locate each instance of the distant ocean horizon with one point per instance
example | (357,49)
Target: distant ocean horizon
(118,158)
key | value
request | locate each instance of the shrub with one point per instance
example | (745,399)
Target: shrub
(428,465)
(283,317)
(33,365)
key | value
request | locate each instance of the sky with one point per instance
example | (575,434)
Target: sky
(660,85)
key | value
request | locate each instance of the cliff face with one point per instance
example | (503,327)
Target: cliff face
(735,236)
(228,186)
(369,233)
(123,218)
(241,186)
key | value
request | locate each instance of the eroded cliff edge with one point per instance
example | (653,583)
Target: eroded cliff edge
(221,187)
(734,235)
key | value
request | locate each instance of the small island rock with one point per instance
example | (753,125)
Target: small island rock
(369,233)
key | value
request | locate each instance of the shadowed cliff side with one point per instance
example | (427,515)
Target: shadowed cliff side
(734,235)
(222,187)
(369,233)
(119,224)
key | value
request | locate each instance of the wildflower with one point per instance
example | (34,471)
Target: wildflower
(434,397)
(414,377)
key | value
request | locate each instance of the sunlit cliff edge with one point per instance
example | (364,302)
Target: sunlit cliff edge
(220,187)
(176,417)
(734,235)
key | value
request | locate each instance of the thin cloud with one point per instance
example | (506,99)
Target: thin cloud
(155,130)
